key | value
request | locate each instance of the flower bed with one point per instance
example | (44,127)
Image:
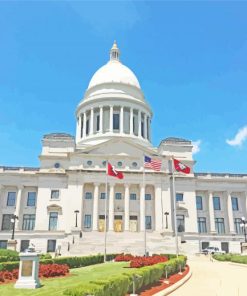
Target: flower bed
(48,270)
(141,261)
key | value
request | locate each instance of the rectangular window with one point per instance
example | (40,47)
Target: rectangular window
(11,199)
(28,222)
(51,245)
(220,225)
(201,222)
(97,122)
(88,195)
(180,223)
(237,224)
(148,220)
(179,196)
(148,196)
(118,195)
(87,127)
(216,202)
(199,203)
(24,245)
(116,121)
(31,199)
(53,221)
(6,222)
(55,194)
(142,128)
(132,196)
(102,195)
(3,244)
(87,221)
(234,203)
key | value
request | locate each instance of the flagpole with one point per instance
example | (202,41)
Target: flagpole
(144,186)
(174,207)
(106,194)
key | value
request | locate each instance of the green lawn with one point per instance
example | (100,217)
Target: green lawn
(56,286)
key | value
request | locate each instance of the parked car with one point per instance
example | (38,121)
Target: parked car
(212,250)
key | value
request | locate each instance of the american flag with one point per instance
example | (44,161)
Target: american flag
(152,163)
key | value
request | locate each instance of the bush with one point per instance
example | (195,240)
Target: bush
(8,255)
(9,266)
(45,256)
(231,257)
(53,270)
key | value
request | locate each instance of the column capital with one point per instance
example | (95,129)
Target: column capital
(112,184)
(228,192)
(96,184)
(20,187)
(126,185)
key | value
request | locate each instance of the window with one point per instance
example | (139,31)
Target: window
(148,220)
(89,162)
(119,164)
(216,201)
(199,203)
(24,245)
(11,199)
(53,221)
(132,196)
(3,244)
(201,222)
(180,223)
(148,196)
(87,127)
(97,123)
(220,225)
(142,128)
(55,194)
(118,195)
(31,199)
(179,197)
(28,222)
(87,221)
(102,195)
(6,222)
(88,195)
(237,224)
(116,121)
(134,164)
(51,245)
(234,203)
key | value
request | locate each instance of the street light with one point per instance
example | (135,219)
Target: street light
(13,219)
(166,214)
(243,225)
(76,213)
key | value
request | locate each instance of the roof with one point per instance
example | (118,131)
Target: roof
(175,140)
(58,136)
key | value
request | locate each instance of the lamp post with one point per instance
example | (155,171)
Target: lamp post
(166,214)
(13,219)
(76,213)
(243,225)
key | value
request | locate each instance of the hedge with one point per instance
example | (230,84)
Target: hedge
(122,284)
(231,257)
(72,262)
(8,255)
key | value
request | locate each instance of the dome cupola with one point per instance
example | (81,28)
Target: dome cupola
(113,105)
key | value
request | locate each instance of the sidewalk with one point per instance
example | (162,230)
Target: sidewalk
(213,278)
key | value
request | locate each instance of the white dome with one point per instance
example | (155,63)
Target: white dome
(114,71)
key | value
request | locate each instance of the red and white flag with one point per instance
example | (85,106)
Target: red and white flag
(111,171)
(180,167)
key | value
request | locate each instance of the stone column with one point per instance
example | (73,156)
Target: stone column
(1,201)
(78,130)
(81,126)
(18,206)
(139,124)
(145,126)
(111,208)
(230,213)
(131,121)
(91,121)
(111,119)
(95,206)
(159,215)
(148,129)
(126,207)
(142,208)
(211,212)
(101,120)
(121,119)
(84,124)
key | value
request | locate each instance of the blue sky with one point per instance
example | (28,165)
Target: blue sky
(190,59)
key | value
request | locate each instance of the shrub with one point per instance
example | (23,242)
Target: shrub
(45,256)
(53,270)
(9,266)
(231,257)
(8,255)
(140,261)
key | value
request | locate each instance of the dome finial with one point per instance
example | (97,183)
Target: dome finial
(115,52)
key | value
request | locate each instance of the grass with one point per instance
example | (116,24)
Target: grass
(56,286)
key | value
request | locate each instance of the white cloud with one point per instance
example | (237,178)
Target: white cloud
(239,138)
(196,146)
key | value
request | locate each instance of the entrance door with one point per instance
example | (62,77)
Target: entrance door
(24,245)
(101,223)
(205,245)
(133,223)
(225,247)
(118,224)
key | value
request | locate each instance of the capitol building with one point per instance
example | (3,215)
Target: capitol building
(61,205)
